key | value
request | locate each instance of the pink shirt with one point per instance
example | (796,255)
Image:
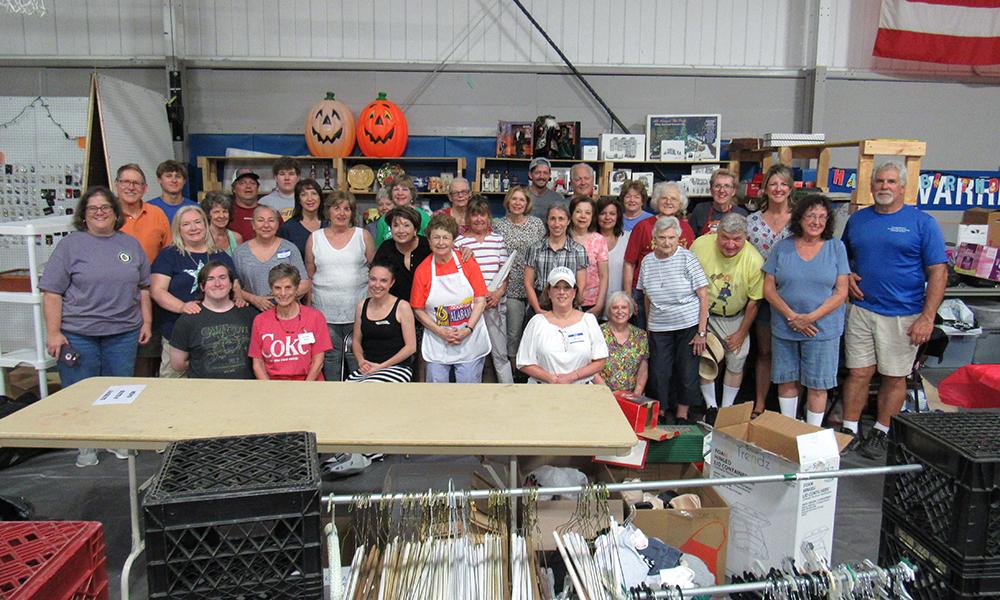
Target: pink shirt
(597,252)
(288,346)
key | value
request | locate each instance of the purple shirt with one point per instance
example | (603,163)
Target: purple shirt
(99,279)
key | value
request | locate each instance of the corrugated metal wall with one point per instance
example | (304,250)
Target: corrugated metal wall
(741,34)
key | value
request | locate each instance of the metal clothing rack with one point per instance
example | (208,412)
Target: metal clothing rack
(867,577)
(332,500)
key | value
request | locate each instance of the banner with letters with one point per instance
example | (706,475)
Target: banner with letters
(939,190)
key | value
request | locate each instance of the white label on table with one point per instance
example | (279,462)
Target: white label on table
(120,394)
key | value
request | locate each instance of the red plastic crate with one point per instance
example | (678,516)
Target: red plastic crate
(52,560)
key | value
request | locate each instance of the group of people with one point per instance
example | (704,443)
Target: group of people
(593,290)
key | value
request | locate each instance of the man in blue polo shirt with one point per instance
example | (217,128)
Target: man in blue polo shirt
(898,261)
(171,175)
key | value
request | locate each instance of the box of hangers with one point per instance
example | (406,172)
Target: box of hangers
(693,520)
(772,520)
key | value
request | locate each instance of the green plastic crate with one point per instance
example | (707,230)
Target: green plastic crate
(686,447)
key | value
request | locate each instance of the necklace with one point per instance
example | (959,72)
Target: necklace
(281,322)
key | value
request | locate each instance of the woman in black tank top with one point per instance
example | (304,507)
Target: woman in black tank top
(384,335)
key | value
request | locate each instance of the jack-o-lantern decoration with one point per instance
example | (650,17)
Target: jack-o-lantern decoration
(330,128)
(382,129)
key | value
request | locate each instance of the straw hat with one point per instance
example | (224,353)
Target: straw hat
(708,364)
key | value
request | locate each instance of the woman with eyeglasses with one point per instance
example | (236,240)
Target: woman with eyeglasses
(806,284)
(562,344)
(95,293)
(706,216)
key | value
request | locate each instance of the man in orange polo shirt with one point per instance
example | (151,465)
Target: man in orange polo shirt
(143,221)
(149,225)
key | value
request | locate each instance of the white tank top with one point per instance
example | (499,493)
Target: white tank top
(341,279)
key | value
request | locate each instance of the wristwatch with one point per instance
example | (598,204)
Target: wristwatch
(702,334)
(469,327)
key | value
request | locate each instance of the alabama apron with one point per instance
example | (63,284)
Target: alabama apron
(449,304)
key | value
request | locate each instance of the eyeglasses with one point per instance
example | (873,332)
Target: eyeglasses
(461,192)
(723,186)
(818,218)
(130,182)
(103,208)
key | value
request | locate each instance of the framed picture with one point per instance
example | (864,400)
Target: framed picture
(683,137)
(617,180)
(560,180)
(514,139)
(623,146)
(646,178)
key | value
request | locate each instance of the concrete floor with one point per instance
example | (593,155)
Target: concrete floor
(61,491)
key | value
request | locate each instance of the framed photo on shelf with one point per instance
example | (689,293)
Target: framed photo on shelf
(560,180)
(618,179)
(683,137)
(514,139)
(623,146)
(646,178)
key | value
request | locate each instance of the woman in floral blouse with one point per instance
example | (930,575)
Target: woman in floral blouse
(627,367)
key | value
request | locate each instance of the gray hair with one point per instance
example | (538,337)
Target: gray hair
(623,296)
(582,166)
(891,164)
(262,207)
(459,180)
(733,222)
(382,193)
(664,223)
(660,190)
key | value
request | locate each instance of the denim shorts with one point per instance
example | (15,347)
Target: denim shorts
(813,363)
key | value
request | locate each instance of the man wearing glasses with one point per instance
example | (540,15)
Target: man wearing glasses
(706,216)
(149,225)
(143,221)
(458,194)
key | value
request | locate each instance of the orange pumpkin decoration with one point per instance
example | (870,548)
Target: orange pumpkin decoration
(330,128)
(382,129)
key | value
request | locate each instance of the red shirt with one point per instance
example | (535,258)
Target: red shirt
(422,279)
(286,346)
(640,242)
(241,221)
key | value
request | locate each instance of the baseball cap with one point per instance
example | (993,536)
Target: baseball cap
(245,172)
(538,161)
(561,274)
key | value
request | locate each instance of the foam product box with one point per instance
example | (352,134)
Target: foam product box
(771,521)
(972,234)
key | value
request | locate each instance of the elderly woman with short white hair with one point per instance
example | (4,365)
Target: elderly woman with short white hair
(627,367)
(676,296)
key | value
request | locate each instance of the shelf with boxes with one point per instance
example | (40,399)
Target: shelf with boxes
(692,175)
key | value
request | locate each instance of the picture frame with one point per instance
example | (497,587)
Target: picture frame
(683,137)
(514,139)
(623,146)
(646,178)
(617,179)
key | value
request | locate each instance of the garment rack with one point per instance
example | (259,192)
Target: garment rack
(332,499)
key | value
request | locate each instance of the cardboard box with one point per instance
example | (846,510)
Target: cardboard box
(771,521)
(553,514)
(977,216)
(972,234)
(978,261)
(982,216)
(703,532)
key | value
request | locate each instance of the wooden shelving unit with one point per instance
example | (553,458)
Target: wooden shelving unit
(212,169)
(518,170)
(414,166)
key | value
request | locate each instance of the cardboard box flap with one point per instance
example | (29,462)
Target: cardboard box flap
(781,435)
(733,415)
(818,451)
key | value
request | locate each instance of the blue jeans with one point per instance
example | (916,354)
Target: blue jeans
(674,368)
(467,372)
(100,355)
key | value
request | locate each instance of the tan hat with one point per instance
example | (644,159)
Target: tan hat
(708,364)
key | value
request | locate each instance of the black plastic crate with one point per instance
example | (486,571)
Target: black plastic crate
(962,445)
(936,578)
(236,517)
(939,502)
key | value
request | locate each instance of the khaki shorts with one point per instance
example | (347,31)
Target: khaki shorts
(874,339)
(166,371)
(725,327)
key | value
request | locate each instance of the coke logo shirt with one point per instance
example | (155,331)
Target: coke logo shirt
(287,347)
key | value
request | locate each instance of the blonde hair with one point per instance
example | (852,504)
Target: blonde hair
(175,230)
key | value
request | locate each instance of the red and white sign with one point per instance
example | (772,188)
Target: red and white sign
(956,32)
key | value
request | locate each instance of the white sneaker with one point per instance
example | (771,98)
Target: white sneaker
(344,464)
(86,457)
(120,453)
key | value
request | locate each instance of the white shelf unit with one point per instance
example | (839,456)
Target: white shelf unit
(33,232)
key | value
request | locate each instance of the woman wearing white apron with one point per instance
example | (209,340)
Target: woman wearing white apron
(448,298)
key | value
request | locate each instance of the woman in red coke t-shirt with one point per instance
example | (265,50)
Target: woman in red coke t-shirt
(288,341)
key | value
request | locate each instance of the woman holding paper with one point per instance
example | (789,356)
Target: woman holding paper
(491,254)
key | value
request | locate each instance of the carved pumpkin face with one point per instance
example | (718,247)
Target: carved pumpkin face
(382,129)
(330,128)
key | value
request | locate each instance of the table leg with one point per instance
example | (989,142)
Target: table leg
(138,545)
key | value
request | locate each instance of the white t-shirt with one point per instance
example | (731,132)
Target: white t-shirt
(561,350)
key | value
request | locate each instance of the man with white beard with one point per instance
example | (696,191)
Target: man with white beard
(898,261)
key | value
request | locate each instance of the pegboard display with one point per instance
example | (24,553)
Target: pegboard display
(41,173)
